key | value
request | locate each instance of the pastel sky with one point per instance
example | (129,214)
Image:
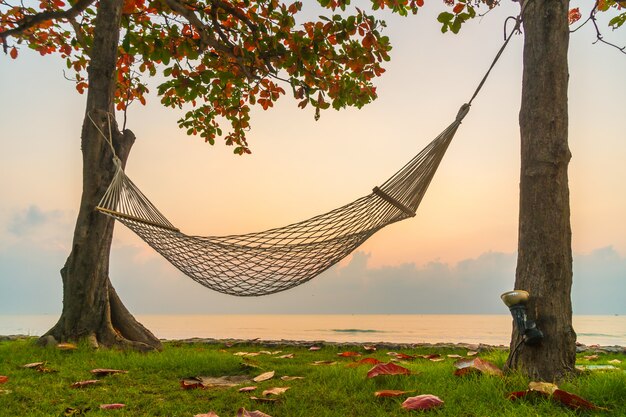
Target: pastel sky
(456,256)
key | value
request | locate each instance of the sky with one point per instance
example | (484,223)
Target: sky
(456,256)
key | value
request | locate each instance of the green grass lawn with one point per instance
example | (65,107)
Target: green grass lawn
(152,385)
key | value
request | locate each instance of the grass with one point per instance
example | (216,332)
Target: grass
(152,385)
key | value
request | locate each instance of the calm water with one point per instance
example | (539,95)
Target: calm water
(490,329)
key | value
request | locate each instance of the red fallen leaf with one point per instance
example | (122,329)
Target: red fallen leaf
(422,402)
(247,389)
(209,414)
(390,393)
(387,369)
(105,372)
(431,356)
(112,406)
(404,356)
(83,384)
(574,401)
(478,364)
(348,354)
(242,412)
(365,361)
(519,394)
(3,379)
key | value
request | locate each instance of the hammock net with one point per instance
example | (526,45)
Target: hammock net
(278,259)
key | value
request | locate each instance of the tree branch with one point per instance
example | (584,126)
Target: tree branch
(28,22)
(599,37)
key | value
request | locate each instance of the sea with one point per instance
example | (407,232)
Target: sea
(364,328)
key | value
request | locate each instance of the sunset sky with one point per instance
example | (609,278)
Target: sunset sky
(456,256)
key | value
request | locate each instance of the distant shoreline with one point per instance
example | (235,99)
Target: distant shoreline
(380,345)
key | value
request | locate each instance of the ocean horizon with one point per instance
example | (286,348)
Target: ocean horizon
(358,328)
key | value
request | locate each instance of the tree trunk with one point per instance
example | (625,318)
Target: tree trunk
(91,307)
(544,264)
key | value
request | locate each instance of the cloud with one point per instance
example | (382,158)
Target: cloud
(30,282)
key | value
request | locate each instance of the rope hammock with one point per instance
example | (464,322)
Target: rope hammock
(278,259)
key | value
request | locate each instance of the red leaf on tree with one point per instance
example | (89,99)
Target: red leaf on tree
(3,379)
(420,3)
(458,8)
(387,369)
(574,15)
(242,412)
(422,402)
(13,53)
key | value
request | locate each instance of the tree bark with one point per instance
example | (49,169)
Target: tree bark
(544,265)
(91,307)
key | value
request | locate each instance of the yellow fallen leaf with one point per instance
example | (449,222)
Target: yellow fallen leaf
(545,387)
(264,376)
(275,391)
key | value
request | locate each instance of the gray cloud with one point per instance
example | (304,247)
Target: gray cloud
(33,217)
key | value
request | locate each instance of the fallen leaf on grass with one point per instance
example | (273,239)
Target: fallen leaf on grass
(431,356)
(264,399)
(242,412)
(455,356)
(39,367)
(313,348)
(545,387)
(437,359)
(209,382)
(369,348)
(112,406)
(466,366)
(247,389)
(75,411)
(471,353)
(240,353)
(422,402)
(591,357)
(390,393)
(67,346)
(404,356)
(83,384)
(290,378)
(5,391)
(287,356)
(348,354)
(3,379)
(264,376)
(33,365)
(615,361)
(566,398)
(387,369)
(105,372)
(275,391)
(364,361)
(322,363)
(209,414)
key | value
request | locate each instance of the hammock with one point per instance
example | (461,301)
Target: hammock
(278,259)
